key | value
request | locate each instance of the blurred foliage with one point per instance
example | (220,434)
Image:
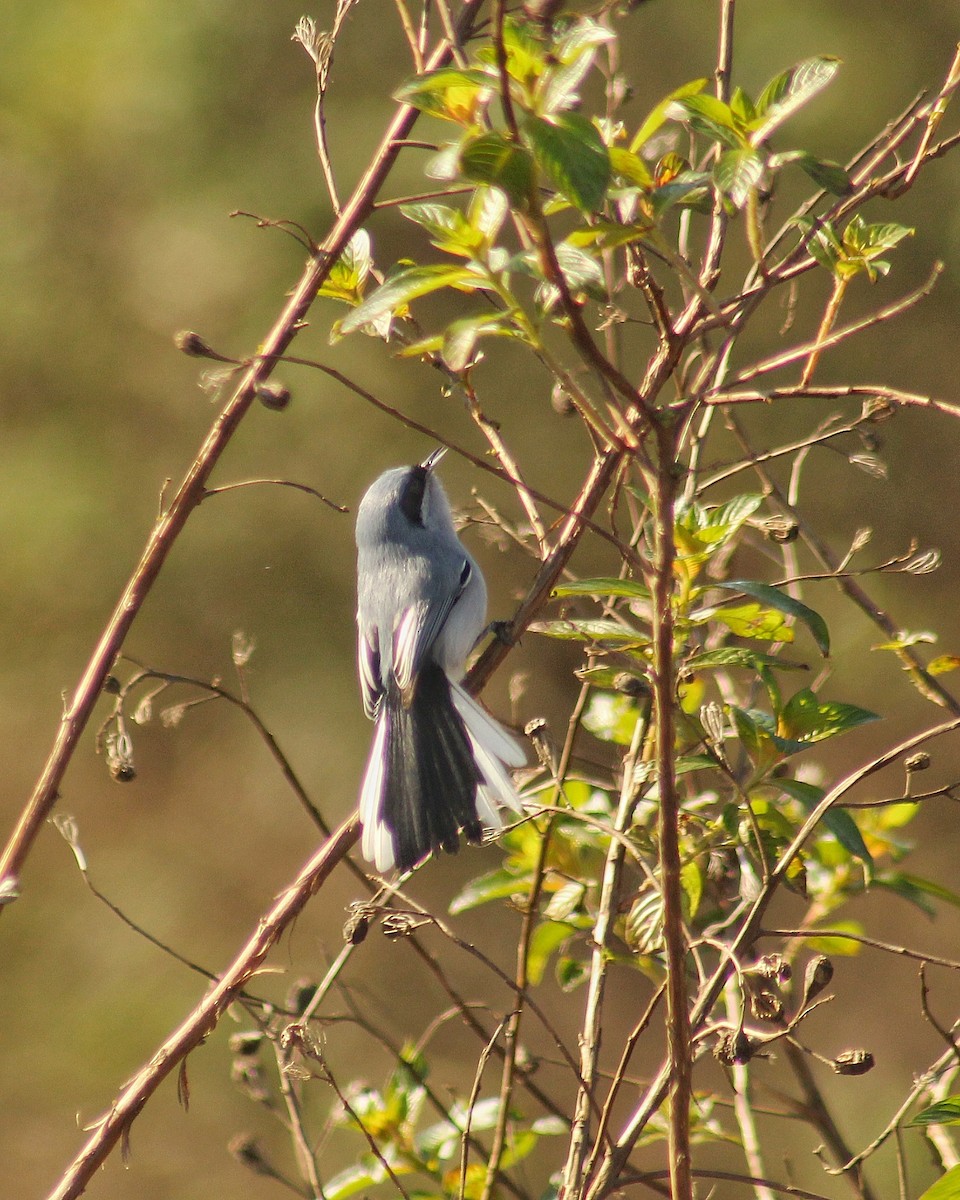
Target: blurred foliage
(128,132)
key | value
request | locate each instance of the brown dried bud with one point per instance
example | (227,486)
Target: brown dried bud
(854,1062)
(357,925)
(781,530)
(300,995)
(917,762)
(877,409)
(245,1072)
(398,925)
(774,967)
(273,396)
(246,1044)
(766,1005)
(733,1048)
(192,344)
(816,977)
(561,401)
(246,1151)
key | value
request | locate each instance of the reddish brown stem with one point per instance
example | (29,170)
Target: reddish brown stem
(191,490)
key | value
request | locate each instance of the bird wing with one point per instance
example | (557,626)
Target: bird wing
(419,627)
(368,659)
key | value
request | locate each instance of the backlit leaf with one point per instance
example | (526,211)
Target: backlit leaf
(570,152)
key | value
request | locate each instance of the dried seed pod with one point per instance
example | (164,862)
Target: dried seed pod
(733,1048)
(917,762)
(854,1062)
(300,995)
(766,1005)
(246,1151)
(816,977)
(398,925)
(192,344)
(357,925)
(246,1044)
(774,967)
(781,530)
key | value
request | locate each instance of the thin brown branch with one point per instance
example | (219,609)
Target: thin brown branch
(115,1124)
(168,528)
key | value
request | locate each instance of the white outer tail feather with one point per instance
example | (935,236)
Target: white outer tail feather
(494,750)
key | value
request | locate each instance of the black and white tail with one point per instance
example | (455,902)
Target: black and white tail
(438,765)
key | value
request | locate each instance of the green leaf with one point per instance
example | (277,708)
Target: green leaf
(740,656)
(946,1188)
(448,228)
(837,947)
(547,938)
(526,54)
(656,117)
(492,158)
(837,820)
(348,274)
(708,115)
(460,337)
(487,211)
(630,166)
(944,1112)
(602,587)
(496,885)
(405,286)
(753,621)
(712,527)
(353,1179)
(575,54)
(943,663)
(737,173)
(786,604)
(570,973)
(691,881)
(571,153)
(611,717)
(788,92)
(831,176)
(807,719)
(450,93)
(520,1143)
(917,891)
(600,630)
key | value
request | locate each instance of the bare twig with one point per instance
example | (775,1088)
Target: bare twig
(191,490)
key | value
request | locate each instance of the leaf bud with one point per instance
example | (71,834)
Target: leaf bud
(192,344)
(274,396)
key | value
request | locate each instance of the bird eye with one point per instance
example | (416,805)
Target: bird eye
(411,495)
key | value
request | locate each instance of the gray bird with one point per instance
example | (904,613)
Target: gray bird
(439,763)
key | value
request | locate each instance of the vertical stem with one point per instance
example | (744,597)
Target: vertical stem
(573,1180)
(664,698)
(742,1101)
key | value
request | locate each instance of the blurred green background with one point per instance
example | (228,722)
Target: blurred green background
(128,132)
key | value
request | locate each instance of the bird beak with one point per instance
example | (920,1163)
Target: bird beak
(433,458)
